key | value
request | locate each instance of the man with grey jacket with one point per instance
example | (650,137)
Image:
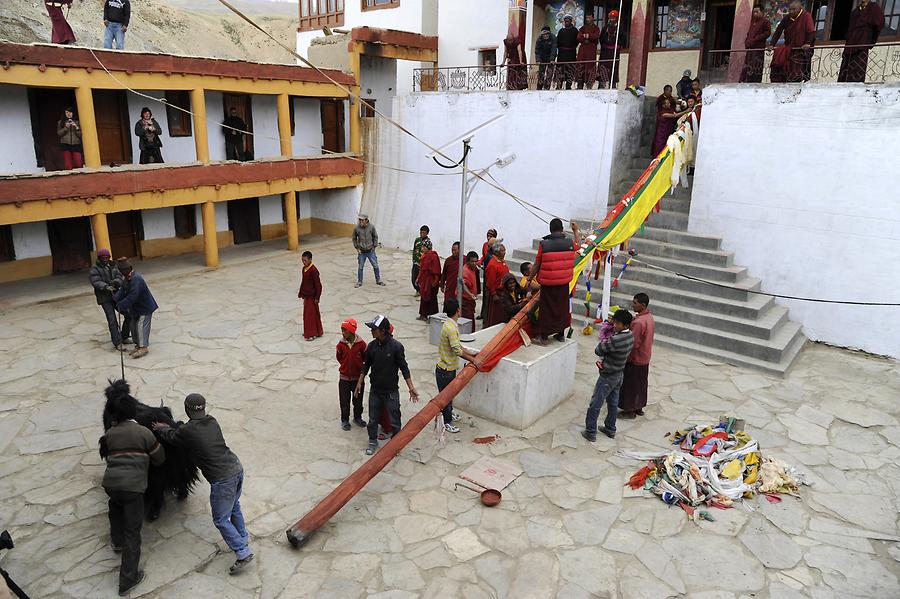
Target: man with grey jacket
(106,279)
(365,240)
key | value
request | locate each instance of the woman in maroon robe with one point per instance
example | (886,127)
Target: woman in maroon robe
(62,33)
(665,121)
(429,281)
(516,62)
(311,292)
(866,23)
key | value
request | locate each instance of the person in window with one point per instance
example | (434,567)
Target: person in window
(69,131)
(799,36)
(755,44)
(233,128)
(545,52)
(866,22)
(148,132)
(567,48)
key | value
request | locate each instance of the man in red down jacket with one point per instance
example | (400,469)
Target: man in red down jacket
(350,353)
(553,269)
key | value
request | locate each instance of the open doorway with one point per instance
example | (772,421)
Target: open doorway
(70,243)
(46,107)
(332,125)
(243,107)
(243,220)
(716,38)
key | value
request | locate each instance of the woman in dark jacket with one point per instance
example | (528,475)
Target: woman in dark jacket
(148,131)
(69,131)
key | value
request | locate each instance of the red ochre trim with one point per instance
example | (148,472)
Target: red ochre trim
(393,37)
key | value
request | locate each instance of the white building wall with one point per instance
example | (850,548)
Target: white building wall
(175,150)
(307,140)
(265,127)
(214,117)
(792,177)
(563,164)
(30,240)
(303,205)
(336,205)
(464,26)
(17,152)
(159,223)
(270,210)
(378,81)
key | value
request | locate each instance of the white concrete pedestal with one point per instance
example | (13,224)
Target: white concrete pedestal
(436,323)
(524,386)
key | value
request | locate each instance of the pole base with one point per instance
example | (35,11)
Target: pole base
(297,537)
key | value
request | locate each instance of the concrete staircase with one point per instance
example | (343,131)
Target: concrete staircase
(730,325)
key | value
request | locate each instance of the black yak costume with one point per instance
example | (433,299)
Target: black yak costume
(177,474)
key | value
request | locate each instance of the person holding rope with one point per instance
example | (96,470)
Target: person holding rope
(106,280)
(134,300)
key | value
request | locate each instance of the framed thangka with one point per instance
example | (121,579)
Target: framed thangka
(555,10)
(685,28)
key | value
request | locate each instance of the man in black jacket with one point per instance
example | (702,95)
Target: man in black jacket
(116,15)
(233,127)
(202,436)
(106,279)
(545,51)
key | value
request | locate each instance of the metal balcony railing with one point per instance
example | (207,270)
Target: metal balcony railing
(553,75)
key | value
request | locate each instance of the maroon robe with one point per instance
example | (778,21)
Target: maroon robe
(429,282)
(450,277)
(665,126)
(61,33)
(862,32)
(755,43)
(310,292)
(609,58)
(517,71)
(586,69)
(798,31)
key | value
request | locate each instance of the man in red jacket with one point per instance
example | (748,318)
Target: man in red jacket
(553,269)
(351,351)
(310,292)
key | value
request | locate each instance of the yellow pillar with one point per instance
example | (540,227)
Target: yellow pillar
(289,198)
(354,103)
(101,231)
(201,137)
(210,242)
(84,100)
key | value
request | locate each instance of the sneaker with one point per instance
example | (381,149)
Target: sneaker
(450,428)
(140,352)
(372,448)
(125,590)
(591,437)
(358,284)
(608,433)
(345,426)
(240,564)
(360,422)
(455,417)
(134,351)
(381,283)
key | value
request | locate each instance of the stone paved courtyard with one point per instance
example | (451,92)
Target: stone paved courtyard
(565,528)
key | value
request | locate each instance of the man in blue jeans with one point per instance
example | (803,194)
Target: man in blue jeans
(613,354)
(116,15)
(365,240)
(202,436)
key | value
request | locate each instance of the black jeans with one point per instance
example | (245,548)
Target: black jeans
(109,309)
(415,276)
(151,156)
(234,149)
(378,401)
(126,515)
(345,394)
(444,378)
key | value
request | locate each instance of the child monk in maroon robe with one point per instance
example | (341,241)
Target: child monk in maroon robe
(429,282)
(310,292)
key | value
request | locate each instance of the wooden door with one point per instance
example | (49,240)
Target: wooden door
(70,243)
(113,128)
(125,233)
(243,105)
(243,220)
(7,249)
(332,125)
(46,107)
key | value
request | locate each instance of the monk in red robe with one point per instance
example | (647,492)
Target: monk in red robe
(755,43)
(608,65)
(666,116)
(470,287)
(450,273)
(429,281)
(61,32)
(866,23)
(588,38)
(310,292)
(799,35)
(493,277)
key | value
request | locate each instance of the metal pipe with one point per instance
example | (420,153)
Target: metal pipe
(462,223)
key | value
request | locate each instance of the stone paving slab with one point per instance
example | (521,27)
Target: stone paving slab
(565,528)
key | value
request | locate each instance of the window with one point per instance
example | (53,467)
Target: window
(487,58)
(891,19)
(832,19)
(315,14)
(661,24)
(179,121)
(367,109)
(375,4)
(601,8)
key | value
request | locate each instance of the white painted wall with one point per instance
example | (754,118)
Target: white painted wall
(562,164)
(265,127)
(30,240)
(159,223)
(17,153)
(338,205)
(175,150)
(270,210)
(378,80)
(466,25)
(303,205)
(307,140)
(794,179)
(214,117)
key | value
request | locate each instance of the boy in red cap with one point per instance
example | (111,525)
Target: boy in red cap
(350,353)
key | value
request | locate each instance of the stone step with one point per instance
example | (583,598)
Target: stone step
(706,242)
(679,193)
(663,249)
(673,284)
(682,205)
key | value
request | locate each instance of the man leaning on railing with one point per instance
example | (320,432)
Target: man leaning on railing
(866,22)
(545,53)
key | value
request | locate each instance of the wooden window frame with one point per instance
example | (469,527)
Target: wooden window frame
(364,5)
(326,18)
(487,67)
(179,122)
(657,33)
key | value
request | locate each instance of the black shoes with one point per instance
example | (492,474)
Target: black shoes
(360,422)
(589,436)
(345,426)
(125,590)
(240,564)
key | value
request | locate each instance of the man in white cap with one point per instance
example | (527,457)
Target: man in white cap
(365,240)
(385,356)
(683,87)
(202,436)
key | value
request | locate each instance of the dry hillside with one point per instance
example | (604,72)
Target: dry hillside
(166,26)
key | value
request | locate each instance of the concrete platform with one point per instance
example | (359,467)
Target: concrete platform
(524,386)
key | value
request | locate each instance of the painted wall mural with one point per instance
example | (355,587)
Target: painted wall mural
(555,10)
(685,27)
